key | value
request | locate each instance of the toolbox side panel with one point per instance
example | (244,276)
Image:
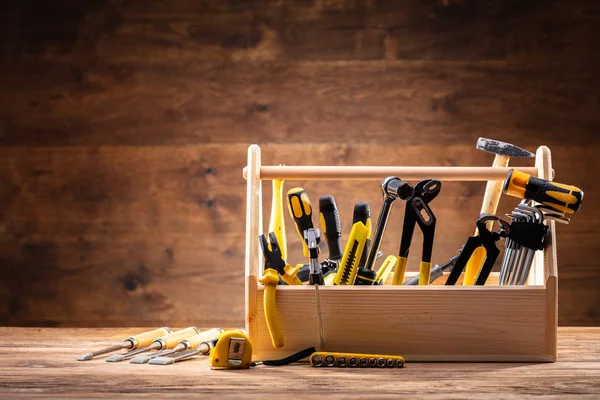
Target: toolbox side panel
(419,323)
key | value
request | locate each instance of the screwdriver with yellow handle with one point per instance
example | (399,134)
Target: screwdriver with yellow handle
(301,212)
(277,222)
(561,197)
(165,342)
(131,343)
(186,344)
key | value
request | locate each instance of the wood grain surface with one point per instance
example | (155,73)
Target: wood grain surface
(40,363)
(124,127)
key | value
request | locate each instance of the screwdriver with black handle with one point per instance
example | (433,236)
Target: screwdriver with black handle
(331,227)
(565,198)
(131,343)
(301,212)
(165,342)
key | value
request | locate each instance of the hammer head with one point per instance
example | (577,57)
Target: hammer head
(502,148)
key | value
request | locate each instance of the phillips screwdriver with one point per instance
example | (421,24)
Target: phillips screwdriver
(164,342)
(331,227)
(565,198)
(301,213)
(131,343)
(186,344)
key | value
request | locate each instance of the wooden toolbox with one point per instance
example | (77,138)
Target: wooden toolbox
(421,323)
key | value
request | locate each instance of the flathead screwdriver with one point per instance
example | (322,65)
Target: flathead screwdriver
(164,342)
(131,343)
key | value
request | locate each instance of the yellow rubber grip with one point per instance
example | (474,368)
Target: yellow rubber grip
(291,275)
(386,269)
(330,279)
(474,266)
(424,273)
(399,271)
(301,213)
(209,335)
(146,338)
(270,279)
(277,222)
(174,338)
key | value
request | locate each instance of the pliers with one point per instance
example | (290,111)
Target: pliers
(275,266)
(418,212)
(486,239)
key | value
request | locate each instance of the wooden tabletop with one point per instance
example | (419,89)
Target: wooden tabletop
(40,362)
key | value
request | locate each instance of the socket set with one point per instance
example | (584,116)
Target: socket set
(355,360)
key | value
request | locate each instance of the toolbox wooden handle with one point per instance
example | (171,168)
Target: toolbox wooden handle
(378,173)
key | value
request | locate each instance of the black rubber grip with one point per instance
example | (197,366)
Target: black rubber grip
(365,276)
(331,226)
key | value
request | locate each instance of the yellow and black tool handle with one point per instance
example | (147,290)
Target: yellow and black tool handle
(270,279)
(362,213)
(301,212)
(145,339)
(277,222)
(331,226)
(290,275)
(355,360)
(384,271)
(565,198)
(348,268)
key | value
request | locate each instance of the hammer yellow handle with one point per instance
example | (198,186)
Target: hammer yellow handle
(270,279)
(146,338)
(174,338)
(277,223)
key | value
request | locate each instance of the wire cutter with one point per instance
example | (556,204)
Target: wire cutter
(275,266)
(418,212)
(486,239)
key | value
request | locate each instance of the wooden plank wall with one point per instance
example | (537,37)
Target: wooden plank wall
(124,126)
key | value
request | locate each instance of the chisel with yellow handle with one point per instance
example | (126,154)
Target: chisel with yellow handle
(165,342)
(355,246)
(277,222)
(301,212)
(186,344)
(131,343)
(561,197)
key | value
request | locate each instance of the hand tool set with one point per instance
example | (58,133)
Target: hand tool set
(412,318)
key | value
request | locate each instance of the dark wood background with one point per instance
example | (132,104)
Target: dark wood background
(124,127)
